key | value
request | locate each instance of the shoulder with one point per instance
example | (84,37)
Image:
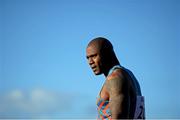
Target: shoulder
(116,74)
(115,82)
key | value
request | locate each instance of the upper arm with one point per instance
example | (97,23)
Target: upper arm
(115,84)
(117,89)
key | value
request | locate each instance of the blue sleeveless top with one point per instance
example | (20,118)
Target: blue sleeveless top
(104,112)
(103,105)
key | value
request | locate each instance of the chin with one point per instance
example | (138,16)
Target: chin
(97,73)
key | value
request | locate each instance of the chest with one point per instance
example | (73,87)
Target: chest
(104,93)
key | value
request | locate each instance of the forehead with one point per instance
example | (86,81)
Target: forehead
(92,49)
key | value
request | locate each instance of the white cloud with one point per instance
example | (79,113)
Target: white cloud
(16,95)
(35,104)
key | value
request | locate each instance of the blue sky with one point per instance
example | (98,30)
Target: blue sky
(44,72)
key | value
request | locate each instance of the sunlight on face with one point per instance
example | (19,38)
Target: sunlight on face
(94,59)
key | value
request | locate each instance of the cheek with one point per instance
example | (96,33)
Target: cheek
(99,63)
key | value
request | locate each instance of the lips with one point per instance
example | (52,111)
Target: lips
(93,67)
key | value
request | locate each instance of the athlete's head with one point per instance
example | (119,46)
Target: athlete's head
(100,55)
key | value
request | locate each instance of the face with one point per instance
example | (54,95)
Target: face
(94,59)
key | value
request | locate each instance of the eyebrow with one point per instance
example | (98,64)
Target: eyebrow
(91,56)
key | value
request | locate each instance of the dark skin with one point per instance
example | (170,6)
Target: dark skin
(118,87)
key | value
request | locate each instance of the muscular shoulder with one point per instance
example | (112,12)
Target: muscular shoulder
(115,82)
(116,74)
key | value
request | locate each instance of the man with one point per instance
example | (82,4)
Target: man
(120,96)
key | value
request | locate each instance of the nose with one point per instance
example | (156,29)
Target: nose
(90,60)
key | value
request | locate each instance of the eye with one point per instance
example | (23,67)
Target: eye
(87,57)
(94,56)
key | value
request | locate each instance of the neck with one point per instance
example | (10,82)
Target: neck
(108,68)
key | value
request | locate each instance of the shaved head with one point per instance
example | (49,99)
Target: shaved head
(101,44)
(102,48)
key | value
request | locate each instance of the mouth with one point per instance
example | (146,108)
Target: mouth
(93,68)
